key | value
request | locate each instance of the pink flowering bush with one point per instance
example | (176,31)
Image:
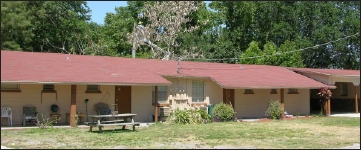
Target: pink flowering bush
(325,94)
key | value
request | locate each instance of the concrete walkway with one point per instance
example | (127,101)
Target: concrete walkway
(354,146)
(346,115)
(3,147)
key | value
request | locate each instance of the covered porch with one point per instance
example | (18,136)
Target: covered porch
(345,98)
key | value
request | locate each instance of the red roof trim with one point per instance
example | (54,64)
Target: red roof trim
(83,69)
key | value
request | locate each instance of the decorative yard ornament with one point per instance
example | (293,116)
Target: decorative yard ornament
(325,94)
(54,108)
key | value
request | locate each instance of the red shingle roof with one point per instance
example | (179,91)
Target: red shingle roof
(338,72)
(64,68)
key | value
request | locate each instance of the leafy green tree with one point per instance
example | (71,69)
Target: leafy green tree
(116,27)
(289,56)
(44,26)
(16,25)
(251,55)
(271,56)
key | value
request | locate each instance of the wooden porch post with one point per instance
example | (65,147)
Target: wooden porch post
(156,104)
(329,106)
(282,103)
(356,101)
(73,106)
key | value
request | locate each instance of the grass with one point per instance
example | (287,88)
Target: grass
(315,132)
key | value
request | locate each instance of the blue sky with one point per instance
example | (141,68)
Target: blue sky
(100,8)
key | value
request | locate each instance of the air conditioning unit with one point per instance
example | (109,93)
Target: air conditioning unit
(164,111)
(204,108)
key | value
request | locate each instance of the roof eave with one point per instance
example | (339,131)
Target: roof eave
(88,83)
(279,87)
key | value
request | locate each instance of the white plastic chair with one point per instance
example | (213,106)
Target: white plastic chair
(7,113)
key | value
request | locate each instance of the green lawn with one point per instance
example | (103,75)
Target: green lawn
(315,132)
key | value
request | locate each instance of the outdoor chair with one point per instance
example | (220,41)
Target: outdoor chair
(29,114)
(7,113)
(102,108)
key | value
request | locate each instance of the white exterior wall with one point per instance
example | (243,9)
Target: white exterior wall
(246,105)
(142,103)
(255,105)
(213,92)
(297,103)
(336,93)
(106,96)
(30,95)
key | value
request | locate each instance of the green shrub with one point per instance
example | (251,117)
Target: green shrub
(274,110)
(204,115)
(223,112)
(45,122)
(188,116)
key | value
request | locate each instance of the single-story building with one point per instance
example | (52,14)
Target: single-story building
(141,86)
(345,98)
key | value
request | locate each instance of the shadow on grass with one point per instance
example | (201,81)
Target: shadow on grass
(113,131)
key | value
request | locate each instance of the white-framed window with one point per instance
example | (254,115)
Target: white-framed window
(292,91)
(48,87)
(273,91)
(248,91)
(344,89)
(197,91)
(5,86)
(162,94)
(92,88)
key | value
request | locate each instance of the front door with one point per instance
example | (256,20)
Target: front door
(123,99)
(228,96)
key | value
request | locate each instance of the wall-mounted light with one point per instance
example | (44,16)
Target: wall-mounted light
(181,90)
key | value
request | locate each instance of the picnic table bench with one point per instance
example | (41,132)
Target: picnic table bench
(113,120)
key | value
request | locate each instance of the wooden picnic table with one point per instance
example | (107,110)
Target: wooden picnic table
(112,120)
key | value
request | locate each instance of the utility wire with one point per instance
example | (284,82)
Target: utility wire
(278,53)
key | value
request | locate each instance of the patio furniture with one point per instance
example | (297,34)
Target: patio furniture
(102,108)
(29,114)
(7,113)
(112,120)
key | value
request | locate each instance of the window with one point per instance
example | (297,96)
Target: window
(162,94)
(344,89)
(273,91)
(197,91)
(92,89)
(248,91)
(10,87)
(292,91)
(48,87)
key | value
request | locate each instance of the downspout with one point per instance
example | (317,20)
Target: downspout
(356,100)
(73,106)
(156,104)
(282,103)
